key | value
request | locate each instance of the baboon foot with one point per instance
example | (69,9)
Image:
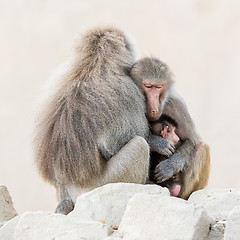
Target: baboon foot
(65,206)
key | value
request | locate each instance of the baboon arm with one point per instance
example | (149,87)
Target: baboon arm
(176,163)
(177,110)
(161,145)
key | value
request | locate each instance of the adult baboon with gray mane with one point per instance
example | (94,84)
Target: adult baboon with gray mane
(92,130)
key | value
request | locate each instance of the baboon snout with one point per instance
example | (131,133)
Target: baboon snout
(154,112)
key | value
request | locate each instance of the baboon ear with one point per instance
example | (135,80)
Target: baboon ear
(163,132)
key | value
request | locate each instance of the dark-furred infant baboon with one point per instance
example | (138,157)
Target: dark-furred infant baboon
(192,157)
(165,127)
(93,130)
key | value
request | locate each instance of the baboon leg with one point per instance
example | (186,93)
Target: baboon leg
(129,165)
(197,174)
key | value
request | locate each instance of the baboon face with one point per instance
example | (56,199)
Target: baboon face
(169,133)
(165,130)
(155,79)
(154,92)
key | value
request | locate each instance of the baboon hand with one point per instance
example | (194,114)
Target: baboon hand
(163,171)
(161,145)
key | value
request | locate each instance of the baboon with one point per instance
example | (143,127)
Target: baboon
(165,127)
(192,158)
(92,131)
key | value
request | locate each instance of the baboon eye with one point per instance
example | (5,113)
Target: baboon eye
(160,86)
(147,85)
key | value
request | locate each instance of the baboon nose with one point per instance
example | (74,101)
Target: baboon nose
(154,111)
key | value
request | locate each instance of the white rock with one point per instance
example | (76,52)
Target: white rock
(217,230)
(77,234)
(7,231)
(2,223)
(49,226)
(109,202)
(163,218)
(7,210)
(218,202)
(114,238)
(232,231)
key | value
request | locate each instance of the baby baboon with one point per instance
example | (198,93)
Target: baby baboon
(93,130)
(165,127)
(192,157)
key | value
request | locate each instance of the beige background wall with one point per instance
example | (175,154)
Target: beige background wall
(199,39)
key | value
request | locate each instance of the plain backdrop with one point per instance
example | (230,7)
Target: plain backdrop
(198,39)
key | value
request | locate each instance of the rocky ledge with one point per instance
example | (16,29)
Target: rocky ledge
(129,211)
